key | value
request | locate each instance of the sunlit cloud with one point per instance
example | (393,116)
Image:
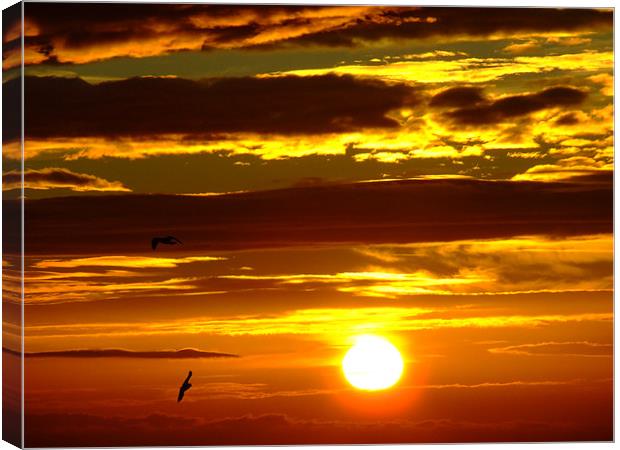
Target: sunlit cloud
(606,81)
(161,30)
(83,291)
(331,323)
(124,261)
(472,268)
(565,169)
(101,283)
(568,40)
(435,54)
(49,276)
(154,32)
(468,69)
(384,146)
(491,267)
(375,283)
(521,47)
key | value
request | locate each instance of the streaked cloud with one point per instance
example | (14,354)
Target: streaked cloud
(390,271)
(56,292)
(579,349)
(58,178)
(331,323)
(124,261)
(376,283)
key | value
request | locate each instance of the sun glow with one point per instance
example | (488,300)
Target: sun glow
(372,364)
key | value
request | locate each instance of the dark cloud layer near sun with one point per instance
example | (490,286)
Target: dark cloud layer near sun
(146,106)
(473,109)
(376,212)
(87,32)
(118,353)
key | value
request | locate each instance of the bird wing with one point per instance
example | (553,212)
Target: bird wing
(184,387)
(177,240)
(154,243)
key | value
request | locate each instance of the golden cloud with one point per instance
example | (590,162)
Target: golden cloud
(332,323)
(467,69)
(131,262)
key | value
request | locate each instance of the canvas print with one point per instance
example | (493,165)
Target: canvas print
(302,224)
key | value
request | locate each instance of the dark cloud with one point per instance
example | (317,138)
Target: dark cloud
(419,23)
(506,108)
(118,353)
(58,178)
(82,19)
(11,100)
(567,119)
(145,106)
(457,97)
(12,388)
(68,27)
(88,430)
(380,212)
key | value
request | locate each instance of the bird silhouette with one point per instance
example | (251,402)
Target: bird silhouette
(168,240)
(184,387)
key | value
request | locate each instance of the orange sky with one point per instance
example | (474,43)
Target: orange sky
(520,327)
(439,177)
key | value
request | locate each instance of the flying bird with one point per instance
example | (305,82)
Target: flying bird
(168,240)
(184,387)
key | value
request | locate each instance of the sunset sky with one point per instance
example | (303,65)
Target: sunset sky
(438,177)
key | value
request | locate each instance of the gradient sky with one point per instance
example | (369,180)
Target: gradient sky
(441,177)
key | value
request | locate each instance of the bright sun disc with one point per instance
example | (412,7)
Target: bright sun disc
(372,364)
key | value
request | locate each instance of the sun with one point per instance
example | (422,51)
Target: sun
(372,364)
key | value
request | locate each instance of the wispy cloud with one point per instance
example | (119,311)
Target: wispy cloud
(327,322)
(584,349)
